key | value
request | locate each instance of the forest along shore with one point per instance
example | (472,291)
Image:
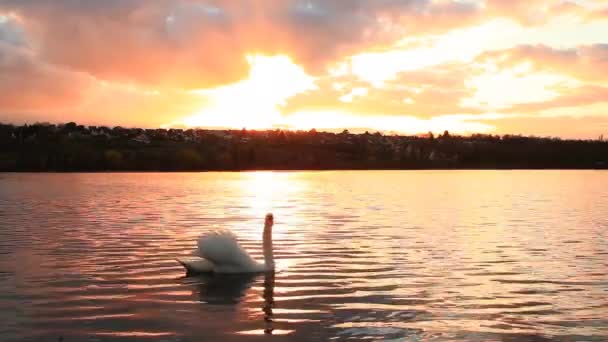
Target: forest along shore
(73,147)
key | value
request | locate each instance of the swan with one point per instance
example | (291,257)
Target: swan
(220,252)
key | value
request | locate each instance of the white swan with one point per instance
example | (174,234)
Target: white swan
(220,252)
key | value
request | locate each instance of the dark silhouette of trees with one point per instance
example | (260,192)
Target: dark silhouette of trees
(73,147)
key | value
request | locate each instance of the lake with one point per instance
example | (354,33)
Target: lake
(387,255)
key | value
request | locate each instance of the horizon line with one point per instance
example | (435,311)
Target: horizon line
(349,130)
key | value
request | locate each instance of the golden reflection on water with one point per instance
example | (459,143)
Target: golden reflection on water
(264,192)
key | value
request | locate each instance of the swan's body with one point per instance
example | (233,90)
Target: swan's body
(220,252)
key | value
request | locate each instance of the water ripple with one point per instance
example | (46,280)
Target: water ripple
(361,255)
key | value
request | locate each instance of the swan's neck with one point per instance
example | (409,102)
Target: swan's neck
(267,245)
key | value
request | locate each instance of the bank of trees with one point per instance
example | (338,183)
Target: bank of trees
(72,147)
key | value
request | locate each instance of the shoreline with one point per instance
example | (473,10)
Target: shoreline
(313,170)
(73,148)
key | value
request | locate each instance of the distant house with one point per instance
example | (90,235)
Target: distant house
(222,134)
(142,138)
(94,131)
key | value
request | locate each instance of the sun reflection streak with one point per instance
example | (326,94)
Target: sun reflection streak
(276,192)
(271,192)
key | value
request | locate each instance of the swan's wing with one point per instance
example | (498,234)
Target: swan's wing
(223,250)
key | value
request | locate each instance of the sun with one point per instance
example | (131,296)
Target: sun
(253,103)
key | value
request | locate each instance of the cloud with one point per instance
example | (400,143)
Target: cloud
(522,80)
(538,80)
(587,63)
(330,30)
(196,44)
(525,81)
(200,44)
(34,90)
(600,14)
(578,97)
(134,41)
(536,12)
(27,85)
(11,32)
(424,93)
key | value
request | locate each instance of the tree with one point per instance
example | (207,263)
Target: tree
(71,126)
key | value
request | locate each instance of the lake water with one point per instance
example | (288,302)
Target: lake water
(388,255)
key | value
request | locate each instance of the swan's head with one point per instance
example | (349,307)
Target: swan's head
(269,221)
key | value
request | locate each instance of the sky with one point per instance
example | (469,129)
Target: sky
(532,67)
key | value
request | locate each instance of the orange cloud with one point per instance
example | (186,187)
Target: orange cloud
(127,42)
(27,85)
(424,93)
(589,63)
(194,44)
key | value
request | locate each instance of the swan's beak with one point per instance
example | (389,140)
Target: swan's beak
(269,219)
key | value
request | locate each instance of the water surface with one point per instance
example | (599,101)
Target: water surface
(390,255)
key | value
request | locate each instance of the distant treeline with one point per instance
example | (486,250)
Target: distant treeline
(72,147)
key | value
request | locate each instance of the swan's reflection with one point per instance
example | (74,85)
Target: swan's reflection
(268,301)
(224,289)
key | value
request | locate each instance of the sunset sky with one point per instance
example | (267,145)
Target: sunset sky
(534,67)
